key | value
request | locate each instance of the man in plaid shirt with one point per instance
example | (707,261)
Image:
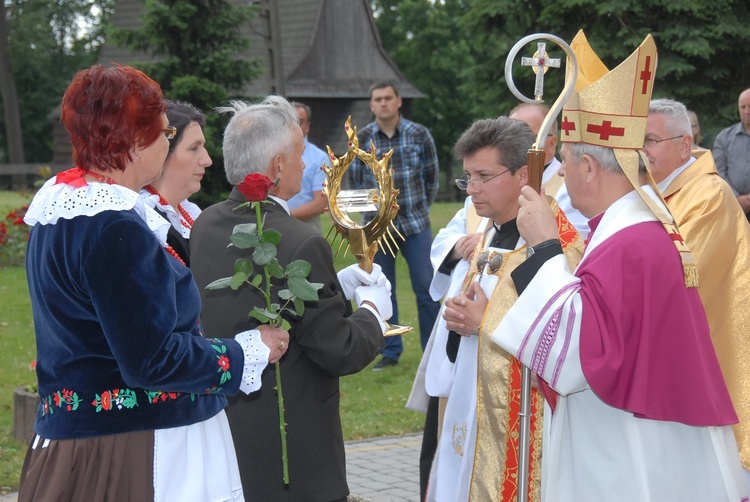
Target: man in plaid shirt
(415,167)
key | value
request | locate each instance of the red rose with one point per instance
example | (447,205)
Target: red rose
(255,187)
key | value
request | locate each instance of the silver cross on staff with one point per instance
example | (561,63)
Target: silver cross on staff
(539,64)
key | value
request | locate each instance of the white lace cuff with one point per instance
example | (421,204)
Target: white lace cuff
(256,359)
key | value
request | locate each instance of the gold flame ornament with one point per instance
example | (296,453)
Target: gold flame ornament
(363,240)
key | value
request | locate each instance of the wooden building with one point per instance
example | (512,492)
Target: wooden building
(325,53)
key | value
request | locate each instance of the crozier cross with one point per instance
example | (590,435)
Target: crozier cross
(539,64)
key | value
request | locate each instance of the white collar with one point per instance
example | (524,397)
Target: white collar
(664,184)
(281,202)
(174,218)
(59,200)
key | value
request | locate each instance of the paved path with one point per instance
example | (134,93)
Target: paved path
(384,469)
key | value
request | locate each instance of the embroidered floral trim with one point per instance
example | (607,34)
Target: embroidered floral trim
(156,396)
(115,398)
(67,399)
(222,360)
(47,408)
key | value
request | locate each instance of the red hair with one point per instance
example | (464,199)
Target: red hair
(109,111)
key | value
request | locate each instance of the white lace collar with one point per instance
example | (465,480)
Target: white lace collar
(152,200)
(59,200)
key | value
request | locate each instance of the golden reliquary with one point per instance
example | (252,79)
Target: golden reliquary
(363,240)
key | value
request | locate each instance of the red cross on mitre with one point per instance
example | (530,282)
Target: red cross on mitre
(646,75)
(567,125)
(605,130)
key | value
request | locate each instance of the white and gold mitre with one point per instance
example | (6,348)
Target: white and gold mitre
(610,109)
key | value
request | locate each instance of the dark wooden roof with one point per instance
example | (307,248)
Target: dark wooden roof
(329,48)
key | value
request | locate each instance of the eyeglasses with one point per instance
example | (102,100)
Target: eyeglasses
(169,132)
(651,141)
(463,183)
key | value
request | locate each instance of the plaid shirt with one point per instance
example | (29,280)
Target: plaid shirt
(415,167)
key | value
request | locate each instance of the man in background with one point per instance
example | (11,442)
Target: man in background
(533,114)
(415,174)
(310,203)
(717,234)
(732,154)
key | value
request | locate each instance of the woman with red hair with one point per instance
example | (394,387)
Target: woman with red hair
(131,392)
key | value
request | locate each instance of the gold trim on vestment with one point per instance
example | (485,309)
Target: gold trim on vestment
(494,420)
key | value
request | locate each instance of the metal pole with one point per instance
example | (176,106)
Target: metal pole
(535,169)
(525,435)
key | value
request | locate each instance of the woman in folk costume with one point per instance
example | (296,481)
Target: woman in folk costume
(132,394)
(637,406)
(181,177)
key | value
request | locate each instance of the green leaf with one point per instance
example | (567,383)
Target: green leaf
(257,280)
(274,268)
(243,265)
(285,294)
(245,228)
(257,315)
(237,280)
(285,325)
(298,268)
(272,236)
(222,283)
(244,240)
(264,253)
(299,306)
(267,314)
(303,289)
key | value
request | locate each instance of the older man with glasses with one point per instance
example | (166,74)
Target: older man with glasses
(715,230)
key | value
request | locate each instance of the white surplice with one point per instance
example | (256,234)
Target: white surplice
(592,451)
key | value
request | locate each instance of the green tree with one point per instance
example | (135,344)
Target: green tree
(421,37)
(47,45)
(703,46)
(196,46)
(455,51)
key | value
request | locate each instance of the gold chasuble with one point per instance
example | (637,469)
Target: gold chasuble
(716,231)
(495,467)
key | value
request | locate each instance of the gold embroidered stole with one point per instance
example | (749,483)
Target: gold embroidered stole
(495,472)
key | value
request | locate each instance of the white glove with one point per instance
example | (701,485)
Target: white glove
(353,277)
(378,296)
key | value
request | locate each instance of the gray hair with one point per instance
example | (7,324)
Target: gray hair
(256,133)
(605,156)
(675,113)
(510,137)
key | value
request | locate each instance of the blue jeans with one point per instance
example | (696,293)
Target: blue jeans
(416,250)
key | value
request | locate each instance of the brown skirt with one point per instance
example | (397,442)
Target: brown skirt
(117,467)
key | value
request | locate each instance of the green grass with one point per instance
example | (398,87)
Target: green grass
(372,403)
(16,352)
(12,200)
